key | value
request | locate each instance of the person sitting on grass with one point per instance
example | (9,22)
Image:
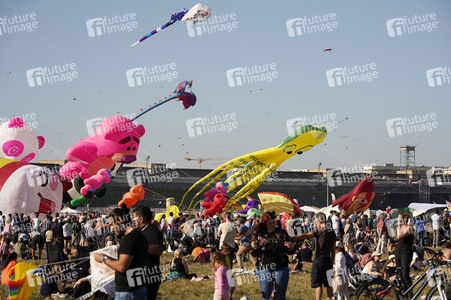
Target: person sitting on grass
(21,248)
(373,266)
(303,255)
(201,254)
(53,283)
(179,267)
(389,269)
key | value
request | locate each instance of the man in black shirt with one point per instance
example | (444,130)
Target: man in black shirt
(324,254)
(129,276)
(143,218)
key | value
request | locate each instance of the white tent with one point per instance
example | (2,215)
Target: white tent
(70,211)
(313,209)
(426,206)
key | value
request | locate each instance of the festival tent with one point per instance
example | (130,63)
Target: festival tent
(70,211)
(312,209)
(421,208)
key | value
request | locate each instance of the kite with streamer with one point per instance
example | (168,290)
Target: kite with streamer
(257,166)
(197,14)
(180,93)
(18,141)
(279,203)
(359,199)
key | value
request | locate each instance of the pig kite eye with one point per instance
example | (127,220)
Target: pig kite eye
(125,140)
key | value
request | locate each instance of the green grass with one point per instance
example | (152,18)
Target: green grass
(183,289)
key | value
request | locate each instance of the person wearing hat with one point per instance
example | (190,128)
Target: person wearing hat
(340,283)
(373,266)
(389,269)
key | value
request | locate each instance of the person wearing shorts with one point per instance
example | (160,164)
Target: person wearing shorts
(36,240)
(324,254)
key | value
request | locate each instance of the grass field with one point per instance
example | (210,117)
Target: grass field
(183,289)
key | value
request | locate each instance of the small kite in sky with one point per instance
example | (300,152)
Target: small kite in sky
(197,14)
(330,49)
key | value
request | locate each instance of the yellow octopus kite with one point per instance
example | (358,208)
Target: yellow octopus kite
(257,166)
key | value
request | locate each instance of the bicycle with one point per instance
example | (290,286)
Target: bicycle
(378,288)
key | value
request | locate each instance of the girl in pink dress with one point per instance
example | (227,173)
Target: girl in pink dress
(221,283)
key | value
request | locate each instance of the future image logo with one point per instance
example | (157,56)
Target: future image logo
(413,124)
(410,25)
(213,124)
(351,74)
(18,23)
(141,176)
(248,75)
(109,25)
(50,75)
(309,25)
(329,121)
(438,76)
(214,24)
(149,75)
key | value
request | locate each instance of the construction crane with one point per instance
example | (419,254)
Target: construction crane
(200,160)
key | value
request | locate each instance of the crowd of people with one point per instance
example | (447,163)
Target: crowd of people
(346,244)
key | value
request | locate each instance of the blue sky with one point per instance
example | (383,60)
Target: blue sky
(260,37)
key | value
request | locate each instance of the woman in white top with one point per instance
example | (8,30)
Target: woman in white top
(341,276)
(373,266)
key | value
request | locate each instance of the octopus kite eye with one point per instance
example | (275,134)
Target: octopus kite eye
(289,149)
(299,152)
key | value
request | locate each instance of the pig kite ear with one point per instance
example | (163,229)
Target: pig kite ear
(140,130)
(41,141)
(16,123)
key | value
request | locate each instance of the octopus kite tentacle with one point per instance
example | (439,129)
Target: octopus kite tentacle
(251,185)
(258,166)
(224,168)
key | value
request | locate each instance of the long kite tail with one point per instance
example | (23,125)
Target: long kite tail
(233,163)
(251,185)
(174,18)
(155,105)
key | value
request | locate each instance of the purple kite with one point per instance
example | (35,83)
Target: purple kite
(197,14)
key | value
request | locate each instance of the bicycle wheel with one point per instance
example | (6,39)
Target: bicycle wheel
(435,295)
(375,289)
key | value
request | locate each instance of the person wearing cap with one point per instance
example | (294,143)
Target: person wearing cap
(373,266)
(341,275)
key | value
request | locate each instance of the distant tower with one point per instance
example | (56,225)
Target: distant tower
(407,156)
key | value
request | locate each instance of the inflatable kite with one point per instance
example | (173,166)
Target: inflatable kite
(21,283)
(19,141)
(197,14)
(188,98)
(173,208)
(26,188)
(216,206)
(135,194)
(252,203)
(359,199)
(279,203)
(90,162)
(257,166)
